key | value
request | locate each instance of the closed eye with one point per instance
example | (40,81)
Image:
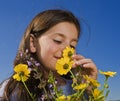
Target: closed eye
(57,41)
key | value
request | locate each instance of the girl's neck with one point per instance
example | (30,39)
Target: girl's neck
(59,78)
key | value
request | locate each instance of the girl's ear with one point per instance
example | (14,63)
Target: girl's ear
(32,43)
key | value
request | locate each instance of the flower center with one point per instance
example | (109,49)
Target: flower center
(65,66)
(21,73)
(70,54)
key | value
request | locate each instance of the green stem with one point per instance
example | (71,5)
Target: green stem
(72,74)
(105,82)
(27,89)
(46,94)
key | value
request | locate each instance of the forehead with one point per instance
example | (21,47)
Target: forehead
(64,29)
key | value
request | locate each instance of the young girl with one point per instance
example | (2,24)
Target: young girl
(44,40)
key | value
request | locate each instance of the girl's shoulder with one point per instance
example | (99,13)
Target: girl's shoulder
(2,87)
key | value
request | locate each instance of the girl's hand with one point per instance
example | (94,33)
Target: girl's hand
(89,68)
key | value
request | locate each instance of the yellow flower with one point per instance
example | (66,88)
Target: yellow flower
(97,95)
(81,86)
(63,98)
(63,65)
(92,81)
(22,72)
(68,52)
(108,73)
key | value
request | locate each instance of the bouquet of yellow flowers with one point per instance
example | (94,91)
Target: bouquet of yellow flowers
(63,66)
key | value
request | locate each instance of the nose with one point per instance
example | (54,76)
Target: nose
(60,51)
(63,47)
(67,44)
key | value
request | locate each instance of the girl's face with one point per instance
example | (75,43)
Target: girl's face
(51,43)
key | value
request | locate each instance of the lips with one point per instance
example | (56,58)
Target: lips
(57,57)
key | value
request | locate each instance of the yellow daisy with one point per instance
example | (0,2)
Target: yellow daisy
(63,98)
(81,86)
(63,65)
(22,72)
(97,95)
(92,81)
(108,73)
(68,52)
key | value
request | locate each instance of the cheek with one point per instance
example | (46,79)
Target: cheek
(47,52)
(47,57)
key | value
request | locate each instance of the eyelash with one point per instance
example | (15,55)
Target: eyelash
(59,42)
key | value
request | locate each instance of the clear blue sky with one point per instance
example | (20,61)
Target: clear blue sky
(100,39)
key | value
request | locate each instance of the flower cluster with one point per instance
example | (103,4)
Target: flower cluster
(86,88)
(82,84)
(24,69)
